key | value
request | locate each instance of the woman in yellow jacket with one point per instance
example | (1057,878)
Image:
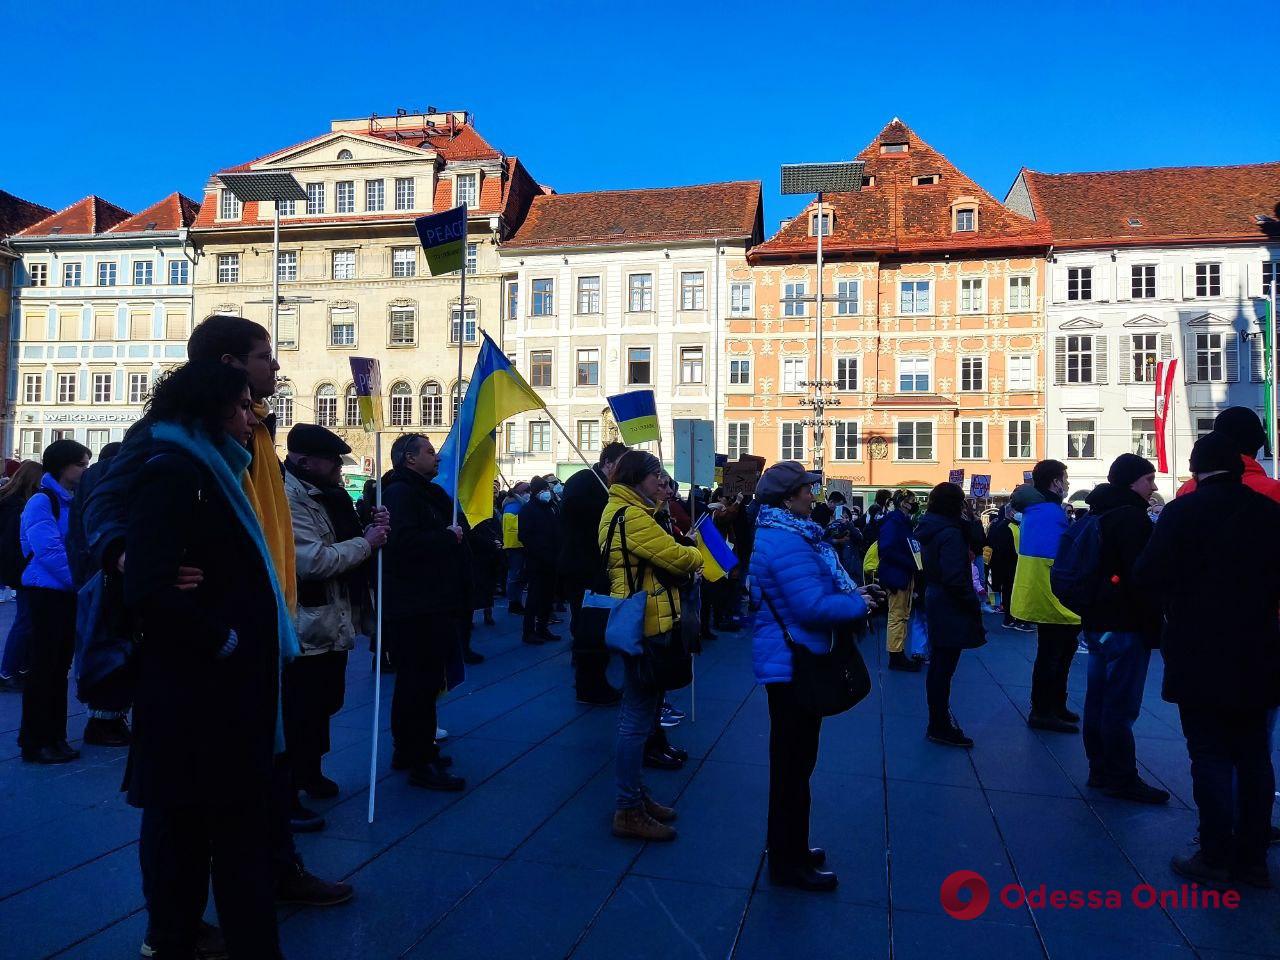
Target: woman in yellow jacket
(634,494)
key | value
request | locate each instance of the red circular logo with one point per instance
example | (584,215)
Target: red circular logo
(962,882)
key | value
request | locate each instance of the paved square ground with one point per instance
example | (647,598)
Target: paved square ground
(522,865)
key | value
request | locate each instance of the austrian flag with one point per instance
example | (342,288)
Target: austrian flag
(1164,391)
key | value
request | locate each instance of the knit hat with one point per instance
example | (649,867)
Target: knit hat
(1129,467)
(1216,451)
(1243,428)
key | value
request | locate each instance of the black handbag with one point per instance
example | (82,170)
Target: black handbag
(829,683)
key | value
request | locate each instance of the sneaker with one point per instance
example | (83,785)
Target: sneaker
(210,944)
(302,820)
(606,696)
(669,719)
(635,823)
(1082,647)
(1024,626)
(107,733)
(433,776)
(1138,791)
(1196,868)
(675,711)
(662,760)
(1043,721)
(951,736)
(307,890)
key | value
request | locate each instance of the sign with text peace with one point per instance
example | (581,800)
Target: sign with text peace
(444,238)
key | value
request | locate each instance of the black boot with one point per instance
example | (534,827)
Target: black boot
(900,661)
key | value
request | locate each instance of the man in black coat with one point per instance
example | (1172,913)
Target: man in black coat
(1121,629)
(585,495)
(426,604)
(539,529)
(1213,563)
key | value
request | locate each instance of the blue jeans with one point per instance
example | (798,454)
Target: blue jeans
(515,576)
(15,647)
(1117,675)
(636,714)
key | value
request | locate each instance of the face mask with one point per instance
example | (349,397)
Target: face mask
(522,497)
(544,496)
(558,489)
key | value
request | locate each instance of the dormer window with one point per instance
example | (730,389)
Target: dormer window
(344,154)
(826,225)
(893,148)
(966,220)
(925,180)
(1135,222)
(868,181)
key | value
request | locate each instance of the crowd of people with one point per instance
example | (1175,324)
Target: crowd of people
(216,593)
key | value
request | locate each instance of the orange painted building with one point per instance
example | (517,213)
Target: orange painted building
(932,324)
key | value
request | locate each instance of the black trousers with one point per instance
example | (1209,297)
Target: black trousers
(542,592)
(421,650)
(793,753)
(53,644)
(1230,748)
(313,691)
(589,664)
(937,683)
(179,848)
(1055,648)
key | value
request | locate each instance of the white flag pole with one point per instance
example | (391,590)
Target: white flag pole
(377,642)
(459,444)
(580,454)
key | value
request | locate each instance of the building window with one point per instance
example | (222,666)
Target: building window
(1144,436)
(793,303)
(179,273)
(973,378)
(846,373)
(539,436)
(847,437)
(826,225)
(143,273)
(327,406)
(466,184)
(1144,353)
(691,365)
(588,435)
(315,198)
(344,264)
(1204,425)
(139,387)
(1019,445)
(513,300)
(459,394)
(915,297)
(1210,358)
(287,208)
(467,323)
(97,440)
(640,293)
(352,407)
(404,326)
(588,294)
(792,441)
(739,373)
(71,273)
(375,196)
(1143,281)
(1019,295)
(739,440)
(342,327)
(1208,279)
(847,297)
(915,440)
(913,374)
(432,397)
(540,368)
(740,299)
(793,374)
(1018,370)
(693,292)
(228,268)
(639,365)
(67,387)
(1080,283)
(1082,439)
(32,444)
(404,262)
(588,372)
(404,193)
(32,388)
(544,298)
(973,439)
(39,275)
(971,298)
(287,332)
(924,180)
(401,404)
(287,266)
(344,196)
(228,205)
(106,274)
(1270,277)
(282,406)
(966,220)
(1079,358)
(102,387)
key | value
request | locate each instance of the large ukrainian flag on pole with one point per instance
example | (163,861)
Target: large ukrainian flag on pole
(495,393)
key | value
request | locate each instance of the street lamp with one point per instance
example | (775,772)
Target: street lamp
(820,178)
(275,187)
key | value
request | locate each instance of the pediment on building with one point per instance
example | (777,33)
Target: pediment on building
(1080,323)
(1209,320)
(1146,320)
(333,149)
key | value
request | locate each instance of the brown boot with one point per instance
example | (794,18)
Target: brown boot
(635,823)
(656,810)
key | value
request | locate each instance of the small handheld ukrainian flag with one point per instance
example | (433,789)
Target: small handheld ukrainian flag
(637,415)
(717,556)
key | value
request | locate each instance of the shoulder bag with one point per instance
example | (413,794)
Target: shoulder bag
(615,622)
(829,683)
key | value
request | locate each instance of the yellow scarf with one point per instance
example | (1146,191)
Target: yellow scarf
(264,486)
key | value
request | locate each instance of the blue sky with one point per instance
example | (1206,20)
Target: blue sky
(140,101)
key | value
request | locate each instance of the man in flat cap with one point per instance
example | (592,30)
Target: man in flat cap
(334,600)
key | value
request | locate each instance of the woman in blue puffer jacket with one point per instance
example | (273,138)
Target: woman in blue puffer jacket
(803,581)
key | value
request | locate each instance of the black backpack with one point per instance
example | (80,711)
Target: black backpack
(12,560)
(1076,574)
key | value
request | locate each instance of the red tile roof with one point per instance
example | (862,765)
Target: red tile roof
(1170,205)
(897,216)
(171,213)
(17,214)
(660,215)
(83,218)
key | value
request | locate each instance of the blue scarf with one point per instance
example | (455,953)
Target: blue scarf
(812,533)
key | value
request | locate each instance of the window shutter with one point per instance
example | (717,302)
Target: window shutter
(288,324)
(1232,356)
(1124,281)
(1166,281)
(1126,359)
(1189,281)
(1102,275)
(1059,285)
(1231,280)
(1256,364)
(1099,359)
(1166,346)
(1253,279)
(1059,359)
(1189,358)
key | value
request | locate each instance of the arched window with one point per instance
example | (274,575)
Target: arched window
(282,404)
(344,154)
(353,407)
(327,405)
(432,404)
(401,404)
(459,394)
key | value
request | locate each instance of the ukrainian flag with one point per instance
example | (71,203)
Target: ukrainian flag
(1043,525)
(496,392)
(637,415)
(717,555)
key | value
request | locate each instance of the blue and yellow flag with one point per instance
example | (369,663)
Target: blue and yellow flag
(637,415)
(1043,525)
(717,556)
(496,392)
(444,239)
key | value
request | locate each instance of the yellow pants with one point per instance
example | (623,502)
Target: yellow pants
(899,616)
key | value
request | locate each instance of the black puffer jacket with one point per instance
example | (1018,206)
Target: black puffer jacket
(951,605)
(1125,529)
(581,506)
(425,569)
